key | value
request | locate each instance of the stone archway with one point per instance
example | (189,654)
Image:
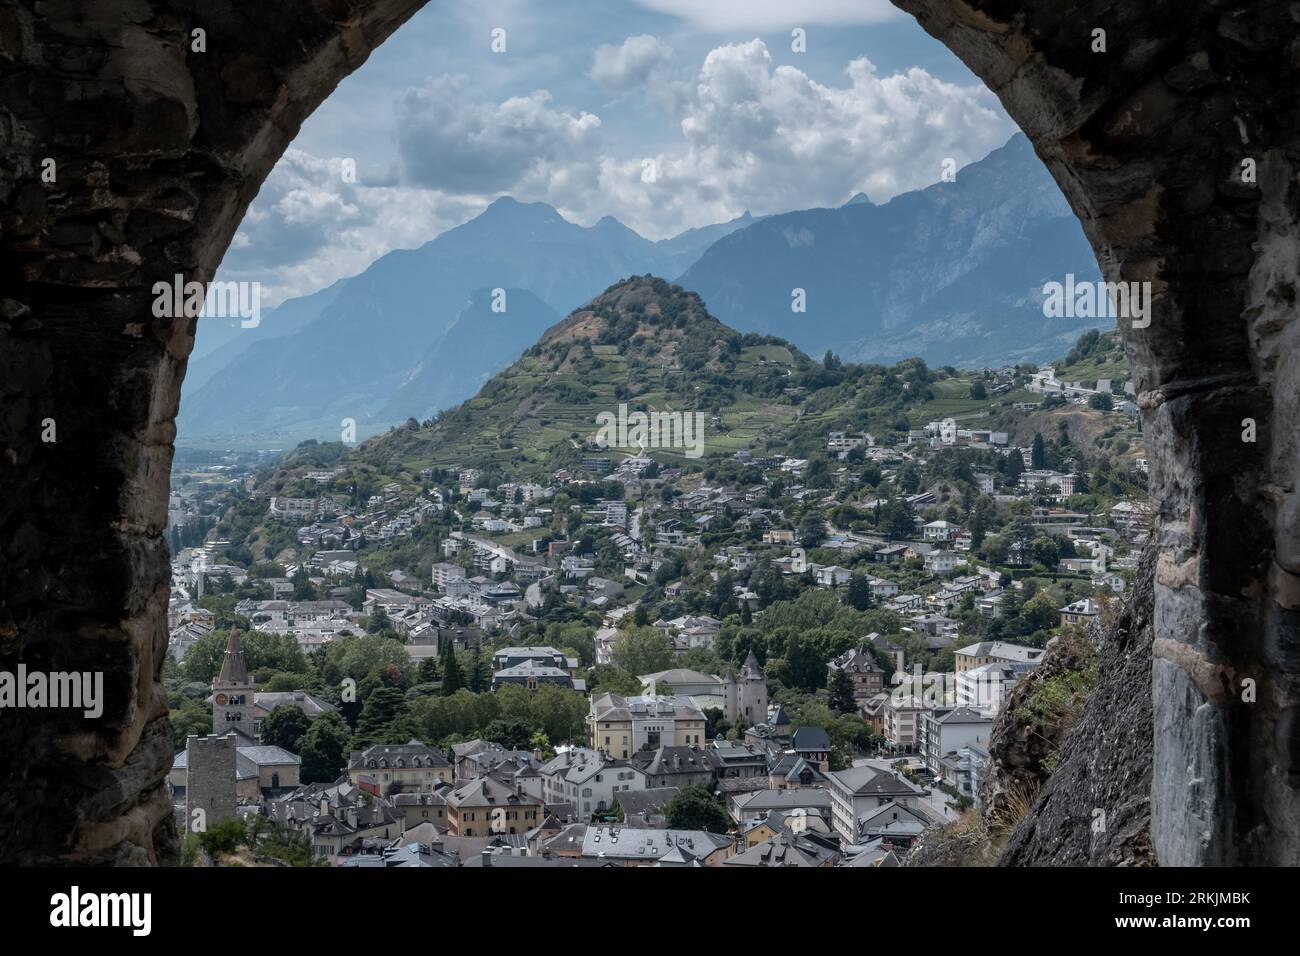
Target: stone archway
(158,150)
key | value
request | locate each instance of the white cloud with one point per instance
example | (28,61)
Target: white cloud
(763,15)
(632,64)
(447,141)
(751,135)
(309,227)
(770,139)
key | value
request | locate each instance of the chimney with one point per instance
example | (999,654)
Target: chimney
(487,857)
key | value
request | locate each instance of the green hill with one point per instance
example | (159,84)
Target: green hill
(643,344)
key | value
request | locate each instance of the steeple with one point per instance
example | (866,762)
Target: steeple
(750,668)
(234,669)
(233,693)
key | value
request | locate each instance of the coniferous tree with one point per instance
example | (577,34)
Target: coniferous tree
(858,594)
(451,678)
(478,679)
(840,699)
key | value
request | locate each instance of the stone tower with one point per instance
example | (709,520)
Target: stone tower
(209,780)
(751,693)
(232,693)
(729,695)
(745,696)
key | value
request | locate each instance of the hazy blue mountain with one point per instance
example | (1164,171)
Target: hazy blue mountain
(952,272)
(220,341)
(480,343)
(363,345)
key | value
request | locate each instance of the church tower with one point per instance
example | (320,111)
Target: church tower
(232,693)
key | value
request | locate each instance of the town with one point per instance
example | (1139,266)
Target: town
(756,659)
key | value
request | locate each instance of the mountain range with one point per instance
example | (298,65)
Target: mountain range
(951,273)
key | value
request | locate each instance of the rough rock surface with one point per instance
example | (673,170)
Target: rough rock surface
(1089,783)
(1178,146)
(1095,807)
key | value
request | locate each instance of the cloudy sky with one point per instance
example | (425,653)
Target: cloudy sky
(587,92)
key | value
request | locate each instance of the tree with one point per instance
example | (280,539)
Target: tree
(977,390)
(383,708)
(840,698)
(896,519)
(1015,466)
(451,679)
(478,679)
(189,717)
(694,808)
(1038,452)
(379,621)
(513,734)
(284,727)
(812,530)
(1102,402)
(606,678)
(324,749)
(642,650)
(858,593)
(560,714)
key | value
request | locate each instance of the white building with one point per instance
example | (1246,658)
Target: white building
(588,780)
(945,731)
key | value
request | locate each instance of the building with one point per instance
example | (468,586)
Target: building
(386,769)
(444,574)
(745,697)
(621,726)
(946,731)
(212,795)
(868,677)
(1083,611)
(589,781)
(901,717)
(676,767)
(995,652)
(417,808)
(940,531)
(533,674)
(813,744)
(942,562)
(640,846)
(256,771)
(487,807)
(791,771)
(987,686)
(750,807)
(1062,485)
(858,792)
(233,693)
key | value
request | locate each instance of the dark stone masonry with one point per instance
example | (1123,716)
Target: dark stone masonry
(128,156)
